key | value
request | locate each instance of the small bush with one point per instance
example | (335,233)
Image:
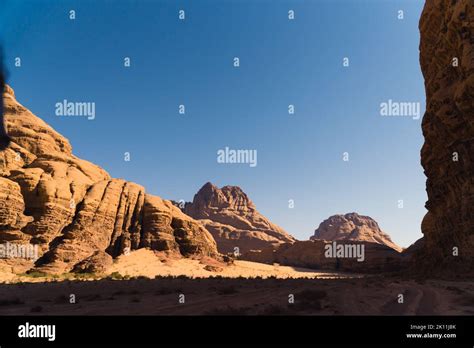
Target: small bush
(116,276)
(85,276)
(35,274)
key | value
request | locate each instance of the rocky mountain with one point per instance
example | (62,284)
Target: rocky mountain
(72,209)
(353,227)
(447,63)
(232,218)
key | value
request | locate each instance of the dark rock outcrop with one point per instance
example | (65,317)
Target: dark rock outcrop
(98,263)
(447,63)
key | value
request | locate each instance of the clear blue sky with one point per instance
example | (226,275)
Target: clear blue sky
(191,62)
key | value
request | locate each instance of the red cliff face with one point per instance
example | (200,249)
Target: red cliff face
(447,62)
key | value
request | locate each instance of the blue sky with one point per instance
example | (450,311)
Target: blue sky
(282,62)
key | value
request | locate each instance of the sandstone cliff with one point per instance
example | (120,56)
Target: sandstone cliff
(447,63)
(232,218)
(72,209)
(353,227)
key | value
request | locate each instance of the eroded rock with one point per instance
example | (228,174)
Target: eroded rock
(447,63)
(353,227)
(233,220)
(73,210)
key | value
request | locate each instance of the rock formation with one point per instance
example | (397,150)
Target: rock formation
(351,230)
(353,227)
(72,209)
(312,254)
(232,218)
(99,263)
(447,63)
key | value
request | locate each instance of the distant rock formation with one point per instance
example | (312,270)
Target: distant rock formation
(353,227)
(232,218)
(447,156)
(312,254)
(72,209)
(351,230)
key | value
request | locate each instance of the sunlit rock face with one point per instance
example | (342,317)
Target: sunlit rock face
(72,209)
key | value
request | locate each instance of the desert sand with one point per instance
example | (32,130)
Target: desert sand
(149,283)
(150,264)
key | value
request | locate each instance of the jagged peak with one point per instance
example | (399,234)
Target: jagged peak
(227,196)
(208,186)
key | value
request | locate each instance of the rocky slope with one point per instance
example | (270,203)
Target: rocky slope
(447,63)
(353,227)
(73,209)
(232,218)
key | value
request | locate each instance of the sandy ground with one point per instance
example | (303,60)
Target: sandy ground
(214,296)
(146,263)
(145,283)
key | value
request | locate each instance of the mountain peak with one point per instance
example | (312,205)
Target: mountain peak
(233,220)
(353,226)
(232,197)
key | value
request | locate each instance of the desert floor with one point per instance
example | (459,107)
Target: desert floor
(211,296)
(146,284)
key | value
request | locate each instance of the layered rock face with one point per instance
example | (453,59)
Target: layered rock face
(353,227)
(447,62)
(73,209)
(233,220)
